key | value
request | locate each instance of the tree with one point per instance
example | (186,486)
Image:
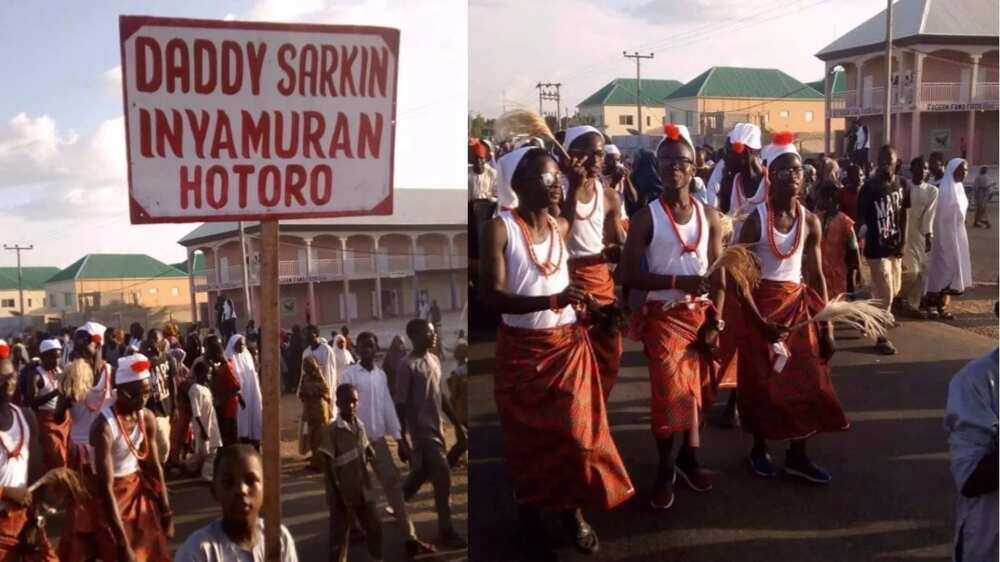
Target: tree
(477,126)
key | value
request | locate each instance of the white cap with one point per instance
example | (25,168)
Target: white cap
(675,132)
(574,133)
(507,164)
(49,345)
(95,330)
(132,368)
(612,149)
(4,350)
(745,134)
(782,142)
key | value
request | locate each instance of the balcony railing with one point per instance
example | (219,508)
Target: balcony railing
(327,267)
(986,91)
(943,92)
(429,261)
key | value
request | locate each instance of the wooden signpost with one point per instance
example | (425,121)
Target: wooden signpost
(251,121)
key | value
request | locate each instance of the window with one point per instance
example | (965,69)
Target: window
(783,114)
(7,303)
(648,121)
(174,291)
(68,299)
(29,302)
(43,302)
(809,116)
(624,119)
(153,290)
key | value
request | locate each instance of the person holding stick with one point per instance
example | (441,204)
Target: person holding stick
(546,368)
(595,239)
(679,324)
(785,389)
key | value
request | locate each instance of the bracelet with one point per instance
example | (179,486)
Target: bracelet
(554,302)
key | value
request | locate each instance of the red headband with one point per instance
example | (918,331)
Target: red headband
(783,137)
(140,366)
(671,131)
(738,147)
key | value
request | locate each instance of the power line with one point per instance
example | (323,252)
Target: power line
(20,286)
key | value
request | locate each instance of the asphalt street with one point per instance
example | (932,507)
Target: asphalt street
(891,498)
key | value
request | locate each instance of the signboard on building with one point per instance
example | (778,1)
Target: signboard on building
(254,121)
(976,106)
(939,139)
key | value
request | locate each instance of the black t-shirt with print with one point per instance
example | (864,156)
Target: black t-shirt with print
(880,209)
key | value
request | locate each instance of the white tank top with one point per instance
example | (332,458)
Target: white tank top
(123,460)
(665,254)
(524,278)
(49,384)
(84,412)
(771,266)
(586,237)
(14,470)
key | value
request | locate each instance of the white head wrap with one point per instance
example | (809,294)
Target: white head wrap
(746,134)
(612,149)
(781,143)
(574,133)
(506,165)
(683,133)
(132,368)
(49,345)
(95,330)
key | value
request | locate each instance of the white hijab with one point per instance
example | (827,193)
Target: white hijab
(340,354)
(951,265)
(243,361)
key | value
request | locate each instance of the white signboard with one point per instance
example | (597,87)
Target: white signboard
(251,121)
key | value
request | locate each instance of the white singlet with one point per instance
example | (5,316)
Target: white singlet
(14,470)
(524,278)
(48,385)
(665,254)
(123,460)
(771,266)
(84,412)
(586,237)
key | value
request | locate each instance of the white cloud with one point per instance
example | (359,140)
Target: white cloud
(515,45)
(113,81)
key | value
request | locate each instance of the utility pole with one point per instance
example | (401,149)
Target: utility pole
(246,272)
(550,91)
(888,74)
(638,87)
(20,287)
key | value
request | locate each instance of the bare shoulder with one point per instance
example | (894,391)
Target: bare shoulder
(712,214)
(563,226)
(496,231)
(611,195)
(812,221)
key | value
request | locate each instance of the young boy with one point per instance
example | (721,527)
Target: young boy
(204,424)
(346,454)
(238,488)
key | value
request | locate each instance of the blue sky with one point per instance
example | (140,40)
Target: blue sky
(62,141)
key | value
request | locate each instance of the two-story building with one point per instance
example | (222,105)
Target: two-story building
(715,100)
(341,269)
(943,94)
(612,109)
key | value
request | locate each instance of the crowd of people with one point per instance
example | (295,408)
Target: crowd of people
(124,413)
(559,228)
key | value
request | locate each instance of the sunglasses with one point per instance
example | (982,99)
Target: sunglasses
(670,162)
(548,178)
(789,172)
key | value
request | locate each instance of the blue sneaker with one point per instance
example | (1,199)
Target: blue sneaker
(760,464)
(803,468)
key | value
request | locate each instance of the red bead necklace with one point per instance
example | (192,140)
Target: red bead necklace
(685,247)
(592,211)
(128,439)
(550,266)
(796,228)
(16,451)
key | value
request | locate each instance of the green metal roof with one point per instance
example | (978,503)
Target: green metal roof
(199,264)
(839,83)
(31,277)
(734,82)
(117,266)
(621,91)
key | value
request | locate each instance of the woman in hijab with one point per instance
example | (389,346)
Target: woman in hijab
(296,345)
(950,271)
(248,418)
(645,179)
(396,351)
(316,407)
(341,353)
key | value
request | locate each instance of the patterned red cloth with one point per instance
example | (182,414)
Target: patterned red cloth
(730,338)
(682,379)
(226,389)
(137,497)
(11,524)
(55,439)
(556,437)
(593,275)
(799,401)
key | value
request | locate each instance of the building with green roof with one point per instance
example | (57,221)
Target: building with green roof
(718,98)
(98,281)
(612,108)
(32,283)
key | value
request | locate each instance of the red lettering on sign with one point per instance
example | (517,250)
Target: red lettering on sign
(172,133)
(314,126)
(308,69)
(217,200)
(378,74)
(341,138)
(242,171)
(318,197)
(145,134)
(256,135)
(178,66)
(293,135)
(284,51)
(147,78)
(232,67)
(295,180)
(346,64)
(328,56)
(199,130)
(206,70)
(190,186)
(223,139)
(370,137)
(263,197)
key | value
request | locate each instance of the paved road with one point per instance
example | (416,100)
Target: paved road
(891,498)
